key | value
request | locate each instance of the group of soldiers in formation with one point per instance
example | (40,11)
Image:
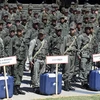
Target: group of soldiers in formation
(31,35)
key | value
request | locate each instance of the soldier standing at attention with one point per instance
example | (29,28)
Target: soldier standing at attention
(84,53)
(69,47)
(19,51)
(55,45)
(38,50)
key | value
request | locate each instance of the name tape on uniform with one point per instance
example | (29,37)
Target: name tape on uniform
(56,59)
(8,61)
(96,57)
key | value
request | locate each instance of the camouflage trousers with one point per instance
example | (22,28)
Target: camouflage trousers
(38,68)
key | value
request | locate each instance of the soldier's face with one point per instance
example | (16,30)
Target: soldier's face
(79,25)
(12,33)
(19,32)
(11,10)
(41,36)
(30,11)
(6,7)
(9,24)
(62,20)
(45,21)
(20,7)
(5,18)
(58,32)
(72,31)
(87,30)
(54,23)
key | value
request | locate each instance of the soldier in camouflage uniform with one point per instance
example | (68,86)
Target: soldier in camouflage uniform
(1,52)
(19,51)
(55,44)
(38,50)
(70,48)
(3,33)
(85,50)
(8,46)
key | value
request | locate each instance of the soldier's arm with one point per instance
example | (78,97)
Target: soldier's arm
(31,49)
(2,47)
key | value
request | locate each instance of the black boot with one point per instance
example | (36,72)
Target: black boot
(66,87)
(19,90)
(15,92)
(70,87)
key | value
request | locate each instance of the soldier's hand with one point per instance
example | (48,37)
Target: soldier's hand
(31,64)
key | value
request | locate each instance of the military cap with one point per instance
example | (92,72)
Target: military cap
(35,22)
(17,18)
(44,17)
(35,12)
(96,5)
(72,26)
(6,4)
(63,9)
(5,14)
(93,8)
(19,4)
(86,16)
(12,28)
(10,6)
(53,10)
(54,18)
(15,6)
(79,21)
(8,21)
(58,27)
(55,6)
(62,17)
(41,31)
(87,26)
(30,8)
(72,3)
(1,22)
(20,27)
(92,16)
(24,17)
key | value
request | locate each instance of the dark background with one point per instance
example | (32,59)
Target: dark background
(50,1)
